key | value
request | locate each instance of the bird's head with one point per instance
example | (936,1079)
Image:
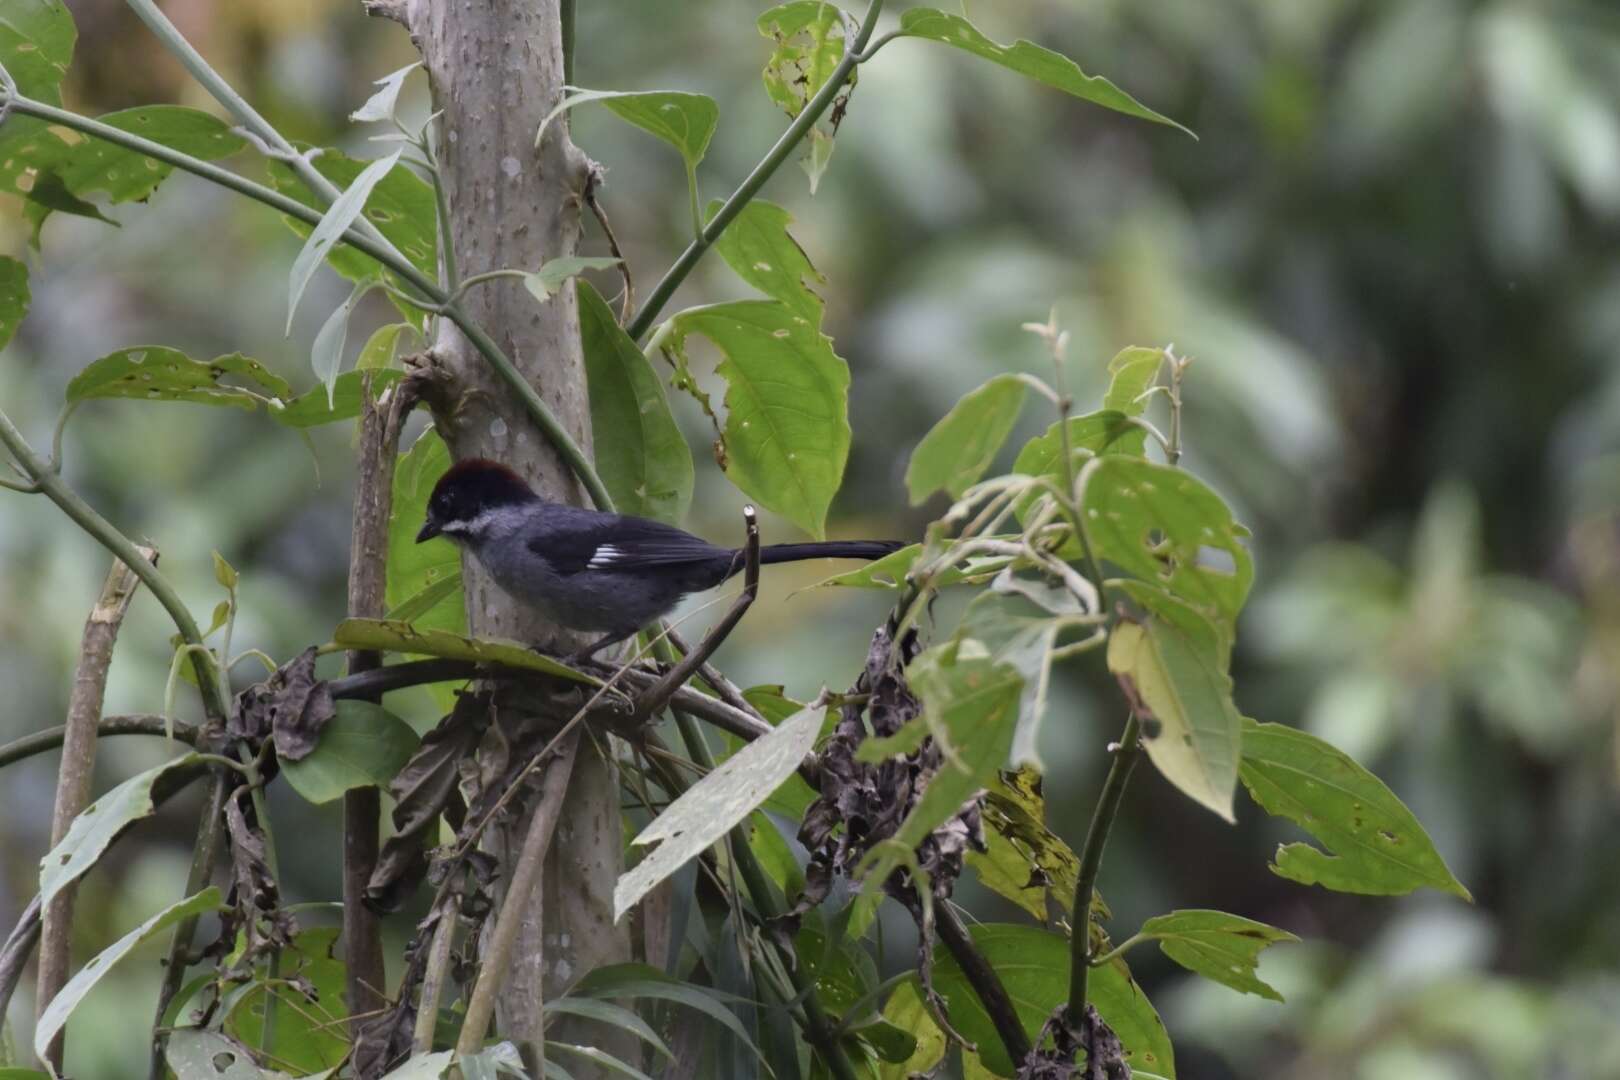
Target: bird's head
(470,497)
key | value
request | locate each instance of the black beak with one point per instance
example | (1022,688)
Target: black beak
(430,529)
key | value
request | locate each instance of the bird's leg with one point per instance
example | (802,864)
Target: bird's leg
(597,646)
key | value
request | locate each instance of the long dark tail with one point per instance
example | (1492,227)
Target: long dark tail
(829,549)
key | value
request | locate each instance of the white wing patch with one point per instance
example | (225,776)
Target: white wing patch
(606,555)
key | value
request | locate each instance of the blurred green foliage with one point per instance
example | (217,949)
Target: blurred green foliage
(1391,254)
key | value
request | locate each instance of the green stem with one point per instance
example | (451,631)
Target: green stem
(756,179)
(1102,822)
(532,402)
(819,1027)
(1118,950)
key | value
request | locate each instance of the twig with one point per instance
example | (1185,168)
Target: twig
(40,742)
(807,118)
(723,687)
(1102,821)
(984,980)
(76,772)
(14,954)
(433,979)
(525,876)
(362,806)
(656,698)
(628,304)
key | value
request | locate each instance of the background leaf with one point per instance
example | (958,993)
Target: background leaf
(787,427)
(1217,946)
(641,454)
(363,745)
(307,996)
(1376,844)
(317,406)
(159,373)
(13,297)
(960,447)
(1028,59)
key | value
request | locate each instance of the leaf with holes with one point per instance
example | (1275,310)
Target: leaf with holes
(787,405)
(1034,968)
(1183,699)
(159,373)
(388,636)
(318,407)
(809,37)
(333,224)
(36,45)
(957,450)
(759,248)
(1217,946)
(685,121)
(363,745)
(1028,59)
(646,463)
(1374,843)
(68,998)
(709,808)
(1025,861)
(414,569)
(100,823)
(1166,526)
(14,297)
(198,1054)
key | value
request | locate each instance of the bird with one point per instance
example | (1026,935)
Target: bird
(587,570)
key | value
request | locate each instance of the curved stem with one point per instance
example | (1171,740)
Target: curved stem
(40,742)
(1102,822)
(756,179)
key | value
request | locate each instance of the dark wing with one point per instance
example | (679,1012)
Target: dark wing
(608,542)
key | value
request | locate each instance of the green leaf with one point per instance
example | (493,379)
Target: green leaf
(685,121)
(1018,631)
(68,998)
(957,450)
(333,224)
(36,45)
(1091,435)
(817,156)
(970,707)
(14,297)
(1034,968)
(1217,946)
(159,373)
(890,571)
(759,248)
(414,569)
(198,1054)
(378,351)
(224,572)
(412,607)
(1374,844)
(551,275)
(1166,526)
(606,1012)
(1183,700)
(712,806)
(641,455)
(326,354)
(1024,861)
(363,745)
(402,637)
(644,981)
(380,106)
(100,823)
(1134,369)
(1027,59)
(317,407)
(310,1032)
(422,1066)
(809,36)
(598,1056)
(787,408)
(907,1011)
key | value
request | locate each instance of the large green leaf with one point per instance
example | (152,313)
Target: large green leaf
(787,408)
(36,46)
(68,998)
(758,246)
(712,806)
(907,1011)
(310,1032)
(1166,526)
(99,824)
(1217,946)
(685,121)
(1183,700)
(608,1013)
(417,571)
(13,297)
(640,452)
(1034,968)
(957,450)
(159,373)
(1375,845)
(363,745)
(388,636)
(1028,59)
(1106,432)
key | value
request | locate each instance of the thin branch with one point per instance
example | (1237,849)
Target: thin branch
(525,877)
(751,185)
(656,698)
(1102,822)
(984,980)
(48,739)
(14,954)
(628,304)
(434,976)
(76,772)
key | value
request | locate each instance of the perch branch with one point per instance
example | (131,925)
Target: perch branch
(39,742)
(1102,822)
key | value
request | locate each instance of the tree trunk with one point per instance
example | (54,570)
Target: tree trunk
(497,71)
